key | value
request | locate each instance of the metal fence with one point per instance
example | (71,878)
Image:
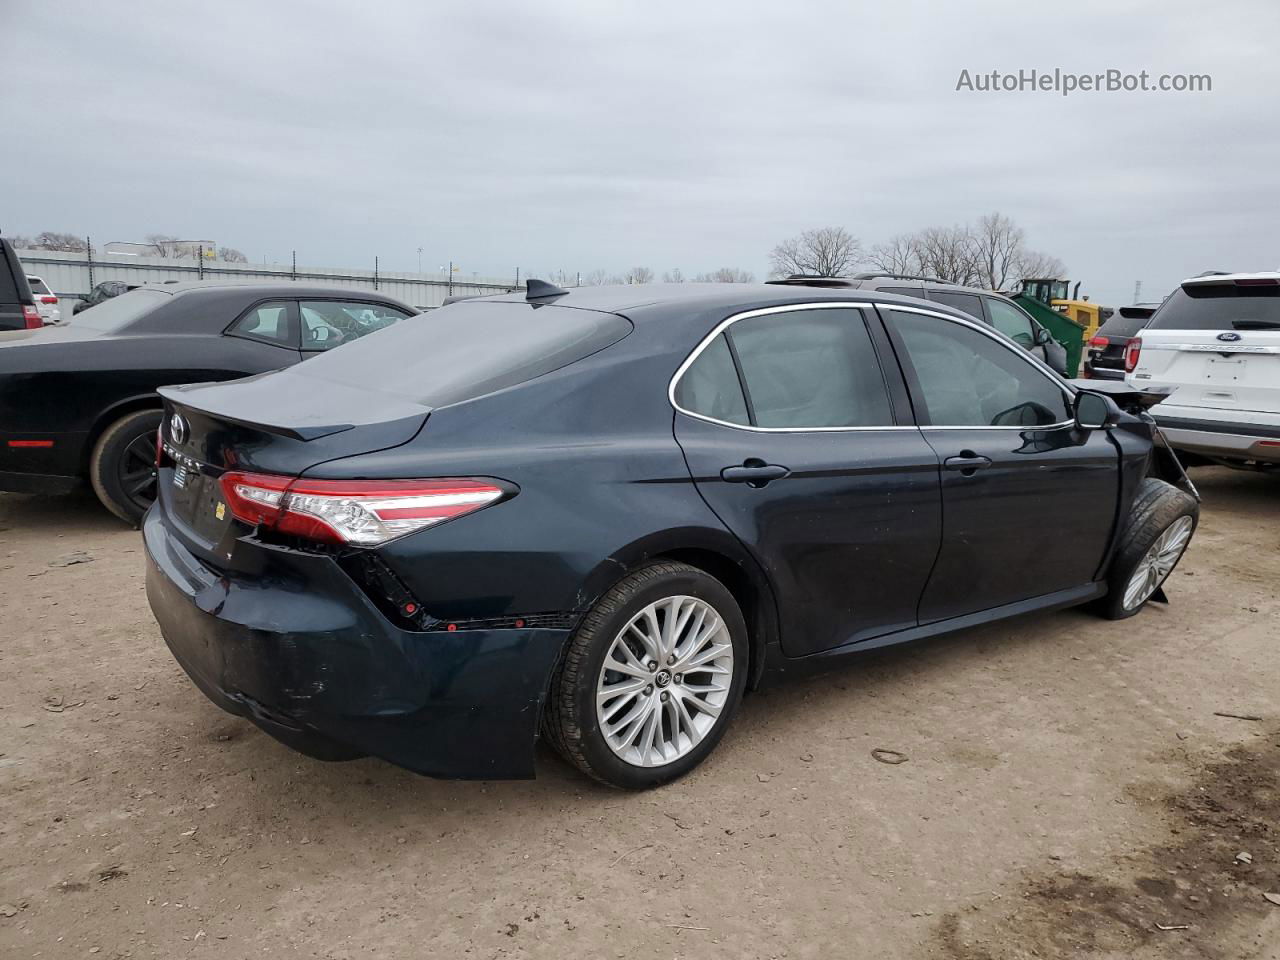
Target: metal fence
(72,274)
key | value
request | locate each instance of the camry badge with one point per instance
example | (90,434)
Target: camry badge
(178,429)
(1229,337)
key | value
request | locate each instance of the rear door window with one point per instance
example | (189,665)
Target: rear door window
(806,369)
(969,303)
(271,322)
(710,386)
(1220,306)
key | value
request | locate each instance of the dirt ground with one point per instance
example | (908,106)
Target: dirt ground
(1069,792)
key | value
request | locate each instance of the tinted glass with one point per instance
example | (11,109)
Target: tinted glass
(904,291)
(328,323)
(1219,306)
(117,313)
(39,287)
(1012,322)
(8,282)
(710,386)
(470,348)
(267,321)
(1123,325)
(969,379)
(966,302)
(811,368)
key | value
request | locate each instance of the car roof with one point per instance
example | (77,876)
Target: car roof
(1218,278)
(287,289)
(631,300)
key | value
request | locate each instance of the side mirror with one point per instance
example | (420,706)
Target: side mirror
(1095,411)
(1042,336)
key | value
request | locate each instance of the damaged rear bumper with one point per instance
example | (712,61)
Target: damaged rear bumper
(302,652)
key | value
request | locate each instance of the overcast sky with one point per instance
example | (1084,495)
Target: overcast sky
(569,135)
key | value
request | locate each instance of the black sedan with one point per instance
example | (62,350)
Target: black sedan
(606,513)
(79,402)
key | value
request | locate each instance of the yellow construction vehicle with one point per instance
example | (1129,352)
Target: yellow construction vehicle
(1059,295)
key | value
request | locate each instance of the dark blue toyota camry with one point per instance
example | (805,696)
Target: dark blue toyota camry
(601,515)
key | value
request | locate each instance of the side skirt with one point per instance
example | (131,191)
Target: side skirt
(779,664)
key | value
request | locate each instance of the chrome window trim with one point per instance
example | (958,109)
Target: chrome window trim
(764,311)
(1002,340)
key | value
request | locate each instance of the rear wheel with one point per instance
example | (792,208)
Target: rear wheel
(651,678)
(1153,540)
(122,468)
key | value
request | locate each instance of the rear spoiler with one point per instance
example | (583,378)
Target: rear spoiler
(304,409)
(1127,397)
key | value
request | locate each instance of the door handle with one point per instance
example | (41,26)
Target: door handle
(754,472)
(968,463)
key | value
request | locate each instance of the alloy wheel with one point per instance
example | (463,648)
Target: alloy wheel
(137,471)
(664,681)
(1157,563)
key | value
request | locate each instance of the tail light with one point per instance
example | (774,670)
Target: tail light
(358,512)
(1131,351)
(48,299)
(31,317)
(1100,341)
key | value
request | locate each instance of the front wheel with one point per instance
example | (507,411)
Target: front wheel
(1152,541)
(122,467)
(651,679)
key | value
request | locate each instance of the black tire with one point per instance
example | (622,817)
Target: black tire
(122,466)
(570,722)
(1156,508)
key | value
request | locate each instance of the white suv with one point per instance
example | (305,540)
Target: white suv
(1216,344)
(46,302)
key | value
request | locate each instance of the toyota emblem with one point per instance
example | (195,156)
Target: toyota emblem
(178,429)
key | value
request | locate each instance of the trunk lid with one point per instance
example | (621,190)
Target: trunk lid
(275,423)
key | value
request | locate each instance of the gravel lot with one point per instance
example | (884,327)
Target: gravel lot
(1068,788)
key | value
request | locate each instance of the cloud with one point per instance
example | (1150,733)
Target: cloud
(573,135)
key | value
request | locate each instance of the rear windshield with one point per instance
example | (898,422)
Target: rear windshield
(1220,306)
(468,349)
(117,313)
(1123,324)
(38,286)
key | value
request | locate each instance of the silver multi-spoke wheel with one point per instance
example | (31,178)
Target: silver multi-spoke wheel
(664,681)
(1157,562)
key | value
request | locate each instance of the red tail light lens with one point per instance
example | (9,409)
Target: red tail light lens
(1131,351)
(359,512)
(1099,341)
(48,299)
(31,317)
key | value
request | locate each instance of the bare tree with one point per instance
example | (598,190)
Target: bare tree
(821,252)
(726,275)
(52,240)
(595,278)
(674,275)
(999,245)
(165,245)
(231,255)
(641,275)
(950,254)
(1035,265)
(899,255)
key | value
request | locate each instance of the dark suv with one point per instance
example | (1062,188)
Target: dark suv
(989,307)
(1105,357)
(18,309)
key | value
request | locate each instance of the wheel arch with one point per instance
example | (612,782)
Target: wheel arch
(718,554)
(121,408)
